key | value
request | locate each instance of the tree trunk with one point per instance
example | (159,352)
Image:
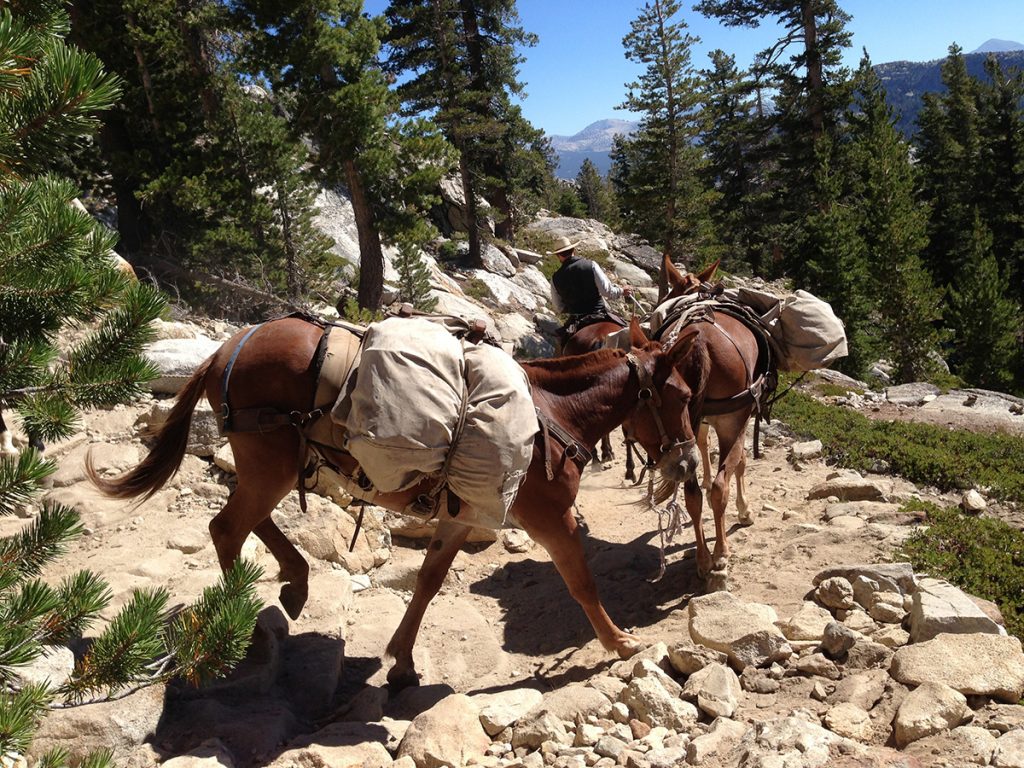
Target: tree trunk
(133,226)
(199,61)
(468,189)
(371,256)
(147,81)
(815,81)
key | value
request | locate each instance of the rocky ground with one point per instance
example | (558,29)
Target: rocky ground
(823,652)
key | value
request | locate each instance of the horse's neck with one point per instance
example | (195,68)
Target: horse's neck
(600,403)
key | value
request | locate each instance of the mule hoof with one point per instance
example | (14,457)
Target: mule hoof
(744,517)
(293,599)
(399,680)
(630,646)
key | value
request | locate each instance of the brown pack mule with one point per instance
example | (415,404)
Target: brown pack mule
(727,351)
(581,398)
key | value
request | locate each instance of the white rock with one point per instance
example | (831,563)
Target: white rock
(716,689)
(743,631)
(940,607)
(928,709)
(177,360)
(973,502)
(1009,751)
(978,664)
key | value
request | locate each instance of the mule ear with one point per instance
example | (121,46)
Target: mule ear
(669,278)
(707,274)
(636,334)
(681,349)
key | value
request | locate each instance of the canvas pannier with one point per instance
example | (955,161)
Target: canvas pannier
(810,333)
(803,330)
(423,403)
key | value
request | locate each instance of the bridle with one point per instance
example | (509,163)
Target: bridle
(649,396)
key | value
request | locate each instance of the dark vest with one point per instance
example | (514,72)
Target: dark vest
(577,287)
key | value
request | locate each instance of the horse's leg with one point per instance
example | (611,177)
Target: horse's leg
(563,541)
(607,454)
(267,471)
(694,506)
(630,466)
(705,458)
(294,568)
(742,507)
(441,551)
(731,454)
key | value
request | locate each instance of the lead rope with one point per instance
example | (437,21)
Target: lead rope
(670,512)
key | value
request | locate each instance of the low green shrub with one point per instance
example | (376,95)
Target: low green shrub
(922,453)
(475,288)
(981,555)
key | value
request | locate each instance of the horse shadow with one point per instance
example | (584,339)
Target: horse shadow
(542,618)
(282,688)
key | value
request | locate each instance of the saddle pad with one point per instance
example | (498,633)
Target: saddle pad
(340,359)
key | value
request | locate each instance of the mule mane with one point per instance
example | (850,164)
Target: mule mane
(566,375)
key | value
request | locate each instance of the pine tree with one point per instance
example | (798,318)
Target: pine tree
(836,259)
(659,169)
(527,161)
(596,194)
(949,153)
(893,226)
(201,198)
(463,67)
(56,273)
(986,323)
(735,142)
(321,56)
(1001,170)
(811,92)
(414,276)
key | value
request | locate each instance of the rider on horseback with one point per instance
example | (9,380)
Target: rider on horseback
(579,288)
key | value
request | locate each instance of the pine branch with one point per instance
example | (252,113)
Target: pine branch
(19,717)
(209,638)
(28,551)
(80,598)
(21,479)
(119,656)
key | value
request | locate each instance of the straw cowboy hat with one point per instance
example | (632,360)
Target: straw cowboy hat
(562,244)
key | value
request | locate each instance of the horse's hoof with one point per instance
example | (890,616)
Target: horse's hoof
(400,680)
(630,646)
(744,517)
(293,599)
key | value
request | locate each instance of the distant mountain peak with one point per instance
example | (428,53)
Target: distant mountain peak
(596,137)
(998,46)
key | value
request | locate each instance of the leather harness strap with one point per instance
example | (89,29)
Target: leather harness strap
(267,419)
(573,448)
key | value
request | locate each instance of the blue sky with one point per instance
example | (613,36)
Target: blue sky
(577,72)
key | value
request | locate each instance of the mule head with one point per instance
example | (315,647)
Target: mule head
(662,423)
(674,283)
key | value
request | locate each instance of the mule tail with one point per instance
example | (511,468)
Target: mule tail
(162,462)
(699,368)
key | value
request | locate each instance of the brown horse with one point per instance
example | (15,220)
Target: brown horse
(588,339)
(728,350)
(585,396)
